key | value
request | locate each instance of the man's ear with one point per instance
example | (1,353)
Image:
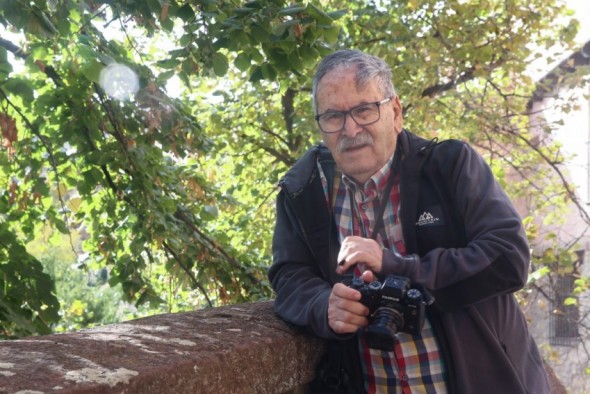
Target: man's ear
(398,113)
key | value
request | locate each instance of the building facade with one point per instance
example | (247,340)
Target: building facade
(558,313)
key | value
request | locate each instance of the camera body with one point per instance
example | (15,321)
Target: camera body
(394,306)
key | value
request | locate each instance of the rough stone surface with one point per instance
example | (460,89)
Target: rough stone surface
(236,349)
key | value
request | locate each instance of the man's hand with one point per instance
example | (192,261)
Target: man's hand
(365,252)
(345,311)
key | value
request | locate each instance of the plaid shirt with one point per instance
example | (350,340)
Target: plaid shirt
(414,364)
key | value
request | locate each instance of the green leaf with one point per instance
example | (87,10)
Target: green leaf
(167,24)
(538,274)
(3,55)
(220,64)
(337,14)
(259,34)
(149,296)
(165,76)
(291,10)
(20,88)
(256,74)
(244,11)
(308,56)
(332,34)
(87,53)
(186,13)
(171,63)
(5,67)
(98,158)
(92,70)
(61,226)
(268,71)
(40,52)
(320,16)
(281,28)
(242,61)
(295,61)
(570,301)
(254,4)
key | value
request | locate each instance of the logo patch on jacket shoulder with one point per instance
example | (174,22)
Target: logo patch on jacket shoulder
(430,217)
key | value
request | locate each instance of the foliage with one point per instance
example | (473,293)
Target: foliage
(84,296)
(173,185)
(129,172)
(27,304)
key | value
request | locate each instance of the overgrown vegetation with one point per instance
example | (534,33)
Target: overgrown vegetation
(161,199)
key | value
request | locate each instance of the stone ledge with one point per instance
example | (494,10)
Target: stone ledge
(242,348)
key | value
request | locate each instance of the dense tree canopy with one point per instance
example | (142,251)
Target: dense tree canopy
(151,134)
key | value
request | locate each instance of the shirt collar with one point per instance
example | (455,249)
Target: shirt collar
(376,183)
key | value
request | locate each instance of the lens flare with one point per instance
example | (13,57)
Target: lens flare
(119,81)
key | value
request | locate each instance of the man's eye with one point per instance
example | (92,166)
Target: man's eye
(332,116)
(363,109)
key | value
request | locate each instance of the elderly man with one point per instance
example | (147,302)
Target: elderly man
(380,204)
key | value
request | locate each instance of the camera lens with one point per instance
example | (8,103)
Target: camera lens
(381,332)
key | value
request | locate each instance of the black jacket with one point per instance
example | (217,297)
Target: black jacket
(473,256)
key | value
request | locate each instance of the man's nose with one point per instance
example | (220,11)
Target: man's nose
(351,127)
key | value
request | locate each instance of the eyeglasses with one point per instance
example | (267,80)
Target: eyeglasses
(363,115)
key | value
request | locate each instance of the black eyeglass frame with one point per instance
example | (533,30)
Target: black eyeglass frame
(350,111)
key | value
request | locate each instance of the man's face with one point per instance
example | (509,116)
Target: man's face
(354,154)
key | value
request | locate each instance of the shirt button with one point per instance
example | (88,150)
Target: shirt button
(364,206)
(405,378)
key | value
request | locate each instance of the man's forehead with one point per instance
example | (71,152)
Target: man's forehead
(337,75)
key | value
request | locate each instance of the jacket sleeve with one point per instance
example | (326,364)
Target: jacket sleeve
(496,256)
(302,293)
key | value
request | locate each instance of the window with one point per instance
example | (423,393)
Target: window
(565,318)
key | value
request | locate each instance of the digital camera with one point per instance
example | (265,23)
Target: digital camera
(394,306)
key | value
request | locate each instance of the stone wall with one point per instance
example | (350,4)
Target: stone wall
(236,349)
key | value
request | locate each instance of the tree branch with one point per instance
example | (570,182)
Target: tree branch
(435,90)
(22,54)
(52,162)
(570,193)
(282,157)
(214,246)
(188,272)
(50,72)
(15,49)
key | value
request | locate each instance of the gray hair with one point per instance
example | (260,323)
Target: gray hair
(368,68)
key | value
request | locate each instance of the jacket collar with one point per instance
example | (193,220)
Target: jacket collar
(304,171)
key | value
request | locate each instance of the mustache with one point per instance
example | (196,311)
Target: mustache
(349,143)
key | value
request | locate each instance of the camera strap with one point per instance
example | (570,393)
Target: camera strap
(349,275)
(386,194)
